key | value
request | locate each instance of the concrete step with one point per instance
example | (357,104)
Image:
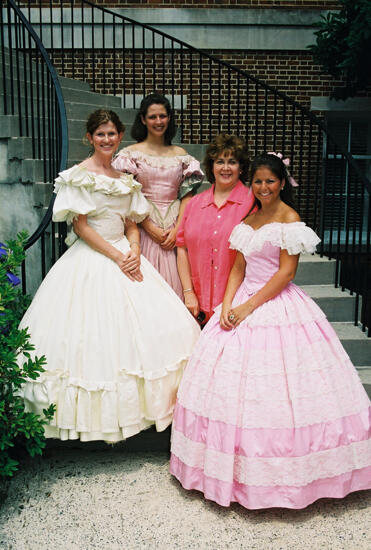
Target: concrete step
(337,305)
(355,342)
(9,126)
(19,148)
(128,115)
(86,102)
(24,171)
(365,376)
(73,84)
(313,269)
(42,193)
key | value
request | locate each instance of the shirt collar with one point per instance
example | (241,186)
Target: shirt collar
(237,195)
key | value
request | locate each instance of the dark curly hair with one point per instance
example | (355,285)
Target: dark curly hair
(277,167)
(139,130)
(102,116)
(223,144)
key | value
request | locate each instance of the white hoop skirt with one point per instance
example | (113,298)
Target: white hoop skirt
(115,348)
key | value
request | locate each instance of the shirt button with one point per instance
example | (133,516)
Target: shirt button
(215,285)
(215,250)
(219,216)
(215,232)
(216,267)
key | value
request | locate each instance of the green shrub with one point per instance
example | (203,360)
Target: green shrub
(18,428)
(343,45)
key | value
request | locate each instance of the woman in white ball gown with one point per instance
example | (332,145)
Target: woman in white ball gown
(115,335)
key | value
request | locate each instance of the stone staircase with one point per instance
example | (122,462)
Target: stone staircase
(315,275)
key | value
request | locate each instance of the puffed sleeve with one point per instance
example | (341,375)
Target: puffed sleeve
(125,163)
(297,238)
(139,206)
(192,177)
(73,195)
(239,238)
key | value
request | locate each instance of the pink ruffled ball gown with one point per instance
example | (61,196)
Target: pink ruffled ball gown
(165,181)
(271,413)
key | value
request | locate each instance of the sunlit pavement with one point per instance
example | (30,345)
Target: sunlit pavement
(121,498)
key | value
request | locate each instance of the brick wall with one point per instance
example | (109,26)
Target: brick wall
(292,73)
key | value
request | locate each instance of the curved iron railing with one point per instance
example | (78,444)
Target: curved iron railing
(120,56)
(33,96)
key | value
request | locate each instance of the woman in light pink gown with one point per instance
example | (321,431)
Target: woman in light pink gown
(169,177)
(270,410)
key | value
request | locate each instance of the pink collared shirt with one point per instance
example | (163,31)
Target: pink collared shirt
(204,231)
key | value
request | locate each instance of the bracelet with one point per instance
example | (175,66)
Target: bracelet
(187,290)
(135,242)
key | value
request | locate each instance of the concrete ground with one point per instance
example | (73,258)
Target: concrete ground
(92,496)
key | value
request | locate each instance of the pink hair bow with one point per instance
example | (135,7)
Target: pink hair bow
(286,162)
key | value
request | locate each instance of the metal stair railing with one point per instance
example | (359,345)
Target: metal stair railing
(120,56)
(32,94)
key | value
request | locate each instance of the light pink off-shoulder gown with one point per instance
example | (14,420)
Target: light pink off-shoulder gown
(165,181)
(271,413)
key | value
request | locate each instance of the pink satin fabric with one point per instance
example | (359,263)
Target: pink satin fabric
(161,179)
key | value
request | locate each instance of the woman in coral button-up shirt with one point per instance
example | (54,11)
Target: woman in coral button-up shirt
(204,256)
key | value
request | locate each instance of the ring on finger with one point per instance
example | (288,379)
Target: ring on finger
(231,316)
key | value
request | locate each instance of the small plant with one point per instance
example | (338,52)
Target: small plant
(343,46)
(18,428)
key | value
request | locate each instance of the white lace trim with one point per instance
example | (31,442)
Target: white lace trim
(80,177)
(156,161)
(296,387)
(167,219)
(271,471)
(294,237)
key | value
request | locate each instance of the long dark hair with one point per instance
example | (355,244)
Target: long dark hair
(277,167)
(139,130)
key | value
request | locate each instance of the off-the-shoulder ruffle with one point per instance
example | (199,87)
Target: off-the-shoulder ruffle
(75,188)
(190,164)
(124,163)
(78,176)
(295,237)
(192,176)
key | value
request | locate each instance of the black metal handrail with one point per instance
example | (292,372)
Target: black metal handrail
(132,59)
(32,93)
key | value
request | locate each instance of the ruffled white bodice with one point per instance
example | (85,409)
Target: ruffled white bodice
(105,200)
(261,248)
(296,238)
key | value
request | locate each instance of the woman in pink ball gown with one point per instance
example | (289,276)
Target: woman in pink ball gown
(270,411)
(169,177)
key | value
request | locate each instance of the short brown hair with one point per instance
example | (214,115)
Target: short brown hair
(102,116)
(223,144)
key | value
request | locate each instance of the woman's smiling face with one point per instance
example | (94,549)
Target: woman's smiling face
(156,119)
(105,139)
(226,169)
(266,186)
